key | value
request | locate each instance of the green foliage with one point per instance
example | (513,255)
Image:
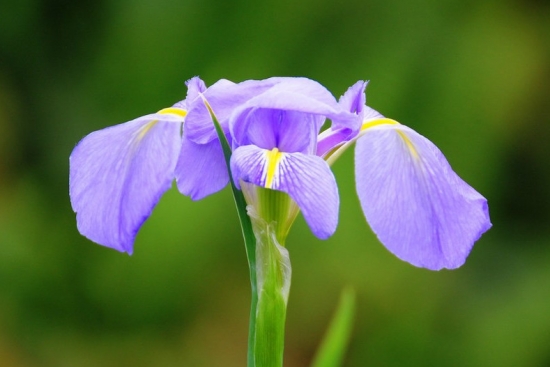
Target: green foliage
(332,349)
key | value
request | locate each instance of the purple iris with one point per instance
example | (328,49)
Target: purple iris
(275,140)
(418,207)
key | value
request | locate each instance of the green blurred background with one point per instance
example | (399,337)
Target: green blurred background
(473,76)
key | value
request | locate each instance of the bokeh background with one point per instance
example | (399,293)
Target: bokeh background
(472,76)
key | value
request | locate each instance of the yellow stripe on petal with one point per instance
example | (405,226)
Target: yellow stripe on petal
(378,122)
(145,129)
(273,158)
(165,111)
(409,144)
(173,111)
(372,123)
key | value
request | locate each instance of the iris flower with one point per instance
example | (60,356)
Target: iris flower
(416,205)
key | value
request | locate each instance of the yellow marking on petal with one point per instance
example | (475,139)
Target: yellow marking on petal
(273,158)
(409,144)
(145,129)
(378,122)
(165,111)
(385,121)
(173,111)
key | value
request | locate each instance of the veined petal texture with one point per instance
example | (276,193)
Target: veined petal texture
(223,96)
(299,95)
(288,131)
(307,179)
(201,169)
(118,174)
(415,203)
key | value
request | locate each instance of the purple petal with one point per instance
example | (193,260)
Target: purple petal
(307,179)
(354,99)
(293,94)
(330,139)
(195,86)
(414,202)
(201,169)
(342,131)
(289,131)
(118,174)
(223,96)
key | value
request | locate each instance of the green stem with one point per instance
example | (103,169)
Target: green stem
(273,275)
(248,235)
(265,223)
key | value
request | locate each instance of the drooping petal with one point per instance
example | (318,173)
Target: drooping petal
(201,169)
(118,174)
(415,203)
(307,179)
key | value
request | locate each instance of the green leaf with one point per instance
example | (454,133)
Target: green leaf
(332,350)
(248,233)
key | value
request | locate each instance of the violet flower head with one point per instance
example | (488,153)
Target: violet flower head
(414,202)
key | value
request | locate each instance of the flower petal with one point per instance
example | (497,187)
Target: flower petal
(289,131)
(417,206)
(354,100)
(195,86)
(223,96)
(201,169)
(299,95)
(118,174)
(342,131)
(307,179)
